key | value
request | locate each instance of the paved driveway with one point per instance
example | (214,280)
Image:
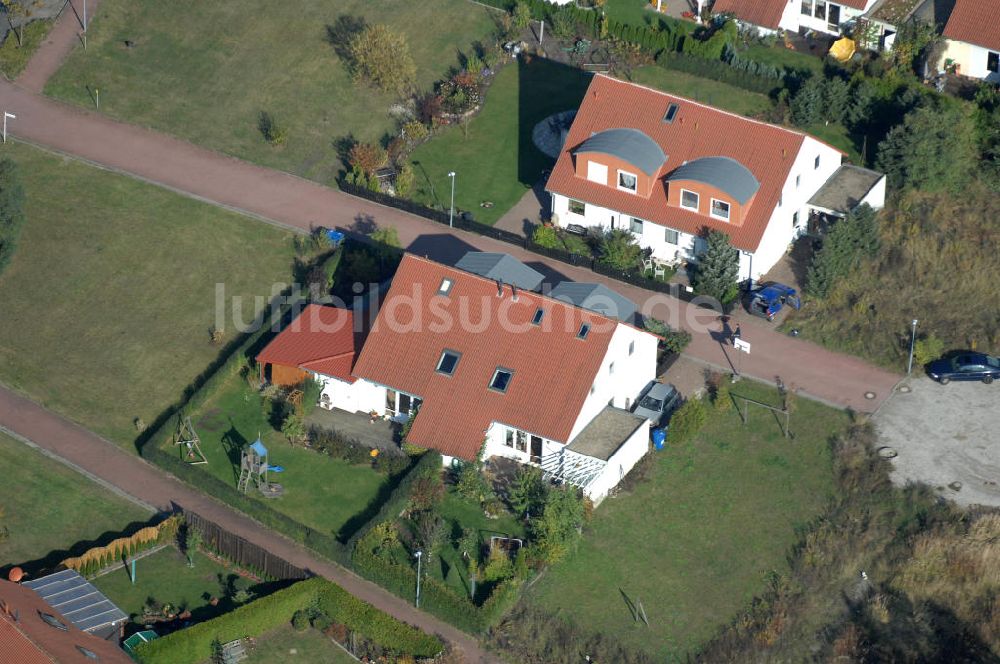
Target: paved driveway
(946,434)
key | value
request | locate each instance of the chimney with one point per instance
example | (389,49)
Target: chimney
(513,292)
(499,288)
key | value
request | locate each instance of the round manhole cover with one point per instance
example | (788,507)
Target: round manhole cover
(955,486)
(887,452)
(905,389)
(869,395)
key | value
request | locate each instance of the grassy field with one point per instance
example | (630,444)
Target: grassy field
(109,299)
(46,507)
(166,578)
(720,95)
(631,12)
(495,159)
(701,535)
(205,70)
(779,56)
(321,492)
(14,55)
(837,136)
(287,645)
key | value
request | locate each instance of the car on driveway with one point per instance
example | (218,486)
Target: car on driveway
(769,298)
(965,366)
(657,403)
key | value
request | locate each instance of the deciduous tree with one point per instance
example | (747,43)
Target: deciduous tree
(382,57)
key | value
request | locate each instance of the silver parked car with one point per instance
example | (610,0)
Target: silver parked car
(657,403)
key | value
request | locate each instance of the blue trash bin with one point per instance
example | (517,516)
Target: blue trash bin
(335,237)
(659,438)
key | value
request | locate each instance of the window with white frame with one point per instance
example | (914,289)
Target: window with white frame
(448,362)
(820,9)
(807,7)
(670,236)
(720,209)
(627,181)
(577,207)
(636,226)
(689,200)
(516,439)
(597,172)
(501,379)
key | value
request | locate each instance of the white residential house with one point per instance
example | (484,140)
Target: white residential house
(669,169)
(769,16)
(972,39)
(487,368)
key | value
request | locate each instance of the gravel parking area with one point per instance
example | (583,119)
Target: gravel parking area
(947,436)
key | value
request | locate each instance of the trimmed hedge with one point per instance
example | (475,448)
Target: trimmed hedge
(718,70)
(194,644)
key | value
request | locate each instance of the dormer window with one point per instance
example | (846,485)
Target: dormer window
(537,318)
(689,200)
(720,209)
(445,286)
(448,362)
(627,181)
(671,113)
(584,331)
(501,379)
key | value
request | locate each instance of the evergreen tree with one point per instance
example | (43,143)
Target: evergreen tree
(850,241)
(836,97)
(933,149)
(807,104)
(717,269)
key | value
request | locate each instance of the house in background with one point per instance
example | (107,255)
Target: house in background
(33,632)
(769,16)
(493,370)
(972,39)
(668,169)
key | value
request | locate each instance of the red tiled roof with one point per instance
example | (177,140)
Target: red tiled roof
(30,640)
(768,151)
(765,13)
(320,339)
(975,22)
(552,369)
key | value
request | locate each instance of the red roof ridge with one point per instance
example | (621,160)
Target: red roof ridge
(327,358)
(721,111)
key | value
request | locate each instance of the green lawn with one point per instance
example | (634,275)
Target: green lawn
(285,645)
(459,513)
(320,491)
(14,55)
(497,161)
(205,70)
(714,93)
(699,537)
(166,578)
(779,56)
(837,136)
(47,508)
(108,302)
(631,12)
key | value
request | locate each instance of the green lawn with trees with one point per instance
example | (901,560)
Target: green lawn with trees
(705,90)
(288,645)
(205,71)
(110,297)
(46,507)
(701,532)
(493,156)
(15,52)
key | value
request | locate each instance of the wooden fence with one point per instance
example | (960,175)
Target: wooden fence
(240,551)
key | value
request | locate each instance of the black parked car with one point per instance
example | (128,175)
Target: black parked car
(966,366)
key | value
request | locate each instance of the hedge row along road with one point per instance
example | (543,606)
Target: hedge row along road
(144,482)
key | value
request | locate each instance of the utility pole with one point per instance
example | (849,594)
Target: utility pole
(541,33)
(85,25)
(418,554)
(451,210)
(913,339)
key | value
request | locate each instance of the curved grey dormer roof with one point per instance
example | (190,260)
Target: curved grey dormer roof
(630,145)
(723,173)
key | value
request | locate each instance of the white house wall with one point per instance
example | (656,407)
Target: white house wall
(972,59)
(496,437)
(358,397)
(631,374)
(875,198)
(620,463)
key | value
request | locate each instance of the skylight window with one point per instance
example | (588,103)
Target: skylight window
(89,654)
(52,621)
(584,331)
(501,379)
(448,362)
(671,113)
(537,318)
(445,286)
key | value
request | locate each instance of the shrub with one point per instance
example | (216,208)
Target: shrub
(527,492)
(498,566)
(368,157)
(293,428)
(414,131)
(717,269)
(471,484)
(273,133)
(673,341)
(428,490)
(851,241)
(720,388)
(558,529)
(927,350)
(300,620)
(687,421)
(386,239)
(311,389)
(620,250)
(404,180)
(391,464)
(383,58)
(413,450)
(546,236)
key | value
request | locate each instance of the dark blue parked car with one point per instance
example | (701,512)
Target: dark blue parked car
(768,299)
(965,366)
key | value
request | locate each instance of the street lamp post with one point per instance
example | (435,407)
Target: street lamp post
(5,116)
(451,211)
(913,338)
(418,554)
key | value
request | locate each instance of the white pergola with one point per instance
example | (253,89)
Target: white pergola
(570,467)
